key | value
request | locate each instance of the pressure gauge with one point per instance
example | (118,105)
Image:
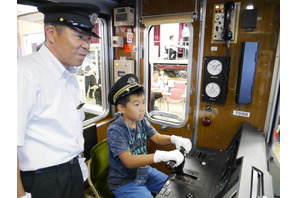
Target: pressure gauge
(212,90)
(214,67)
(215,79)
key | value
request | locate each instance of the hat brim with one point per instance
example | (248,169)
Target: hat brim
(79,16)
(85,32)
(133,89)
(125,93)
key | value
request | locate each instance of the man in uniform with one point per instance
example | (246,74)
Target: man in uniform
(49,136)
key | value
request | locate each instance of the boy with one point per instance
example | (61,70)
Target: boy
(129,174)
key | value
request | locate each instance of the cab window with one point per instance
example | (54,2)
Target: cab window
(168,72)
(90,76)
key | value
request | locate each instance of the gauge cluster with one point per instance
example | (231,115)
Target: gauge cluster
(215,79)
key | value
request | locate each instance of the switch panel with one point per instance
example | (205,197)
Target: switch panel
(123,67)
(218,22)
(117,41)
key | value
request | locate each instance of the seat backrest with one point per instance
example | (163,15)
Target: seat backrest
(176,93)
(180,85)
(99,155)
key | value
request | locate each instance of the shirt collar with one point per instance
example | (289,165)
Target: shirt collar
(70,70)
(121,121)
(55,64)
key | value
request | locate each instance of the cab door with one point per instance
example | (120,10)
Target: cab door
(169,68)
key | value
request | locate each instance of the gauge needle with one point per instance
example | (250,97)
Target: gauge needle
(212,88)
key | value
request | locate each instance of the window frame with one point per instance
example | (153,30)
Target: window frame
(104,78)
(188,87)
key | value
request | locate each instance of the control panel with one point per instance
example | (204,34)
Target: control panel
(123,67)
(124,16)
(232,173)
(197,176)
(218,22)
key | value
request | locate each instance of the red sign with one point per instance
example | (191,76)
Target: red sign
(129,48)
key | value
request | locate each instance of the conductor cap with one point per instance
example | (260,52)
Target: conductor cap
(124,86)
(79,16)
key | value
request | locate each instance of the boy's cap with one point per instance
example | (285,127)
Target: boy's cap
(79,16)
(124,86)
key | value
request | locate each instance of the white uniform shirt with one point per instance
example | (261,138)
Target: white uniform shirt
(49,125)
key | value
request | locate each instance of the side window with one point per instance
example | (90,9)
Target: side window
(168,61)
(90,75)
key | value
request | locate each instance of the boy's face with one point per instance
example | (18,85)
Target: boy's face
(135,108)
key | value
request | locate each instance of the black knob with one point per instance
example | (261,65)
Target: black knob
(171,163)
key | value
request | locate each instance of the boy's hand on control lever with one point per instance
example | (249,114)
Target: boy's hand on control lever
(182,142)
(165,156)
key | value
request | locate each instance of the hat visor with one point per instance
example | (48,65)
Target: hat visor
(125,93)
(133,89)
(85,32)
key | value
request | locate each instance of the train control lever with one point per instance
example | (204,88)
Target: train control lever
(179,173)
(171,163)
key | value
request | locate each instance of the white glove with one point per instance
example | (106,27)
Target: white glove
(28,195)
(165,156)
(180,141)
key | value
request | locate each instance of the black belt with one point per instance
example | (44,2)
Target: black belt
(51,168)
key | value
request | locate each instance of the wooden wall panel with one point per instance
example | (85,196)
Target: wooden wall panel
(152,8)
(122,31)
(102,129)
(224,125)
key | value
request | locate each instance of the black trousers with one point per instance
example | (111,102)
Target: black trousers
(172,54)
(64,181)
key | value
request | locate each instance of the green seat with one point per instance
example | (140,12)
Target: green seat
(98,169)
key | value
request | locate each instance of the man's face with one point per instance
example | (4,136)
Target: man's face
(71,47)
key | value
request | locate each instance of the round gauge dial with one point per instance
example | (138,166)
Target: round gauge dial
(212,90)
(214,67)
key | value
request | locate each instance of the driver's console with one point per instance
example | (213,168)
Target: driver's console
(239,171)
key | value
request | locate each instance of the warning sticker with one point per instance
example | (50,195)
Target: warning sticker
(129,48)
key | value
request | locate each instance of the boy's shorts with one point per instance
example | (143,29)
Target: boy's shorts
(154,184)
